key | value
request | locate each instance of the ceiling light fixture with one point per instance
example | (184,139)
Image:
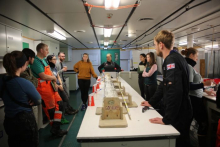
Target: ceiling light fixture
(210,46)
(105,48)
(111,4)
(107,32)
(56,34)
(105,43)
(183,43)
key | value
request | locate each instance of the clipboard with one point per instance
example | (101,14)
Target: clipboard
(141,67)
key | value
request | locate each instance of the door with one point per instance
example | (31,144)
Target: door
(124,64)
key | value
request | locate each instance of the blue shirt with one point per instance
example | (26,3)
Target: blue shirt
(55,73)
(22,90)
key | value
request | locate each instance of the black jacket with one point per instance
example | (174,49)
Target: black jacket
(140,74)
(174,90)
(109,66)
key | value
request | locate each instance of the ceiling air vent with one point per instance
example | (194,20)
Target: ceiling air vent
(145,19)
(79,31)
(123,40)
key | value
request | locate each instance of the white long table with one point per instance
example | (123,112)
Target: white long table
(140,132)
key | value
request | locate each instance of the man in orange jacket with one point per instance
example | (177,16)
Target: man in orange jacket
(51,101)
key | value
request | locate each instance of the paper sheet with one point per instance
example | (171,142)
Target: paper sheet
(141,67)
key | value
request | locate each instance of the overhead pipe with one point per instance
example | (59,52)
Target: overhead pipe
(32,4)
(90,20)
(184,6)
(175,30)
(187,9)
(125,24)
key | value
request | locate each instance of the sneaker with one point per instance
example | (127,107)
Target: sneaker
(83,108)
(70,112)
(64,121)
(58,133)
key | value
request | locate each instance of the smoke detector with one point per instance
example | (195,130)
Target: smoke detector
(109,15)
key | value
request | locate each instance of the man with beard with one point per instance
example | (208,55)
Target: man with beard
(27,74)
(68,110)
(174,90)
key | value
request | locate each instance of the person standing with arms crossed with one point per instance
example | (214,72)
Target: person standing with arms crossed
(51,101)
(150,76)
(84,69)
(174,90)
(19,95)
(140,78)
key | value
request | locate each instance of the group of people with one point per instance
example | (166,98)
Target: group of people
(85,70)
(33,80)
(179,95)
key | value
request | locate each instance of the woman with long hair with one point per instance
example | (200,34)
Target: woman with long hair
(19,95)
(84,69)
(150,74)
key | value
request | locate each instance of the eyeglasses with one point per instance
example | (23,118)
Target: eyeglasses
(63,56)
(54,59)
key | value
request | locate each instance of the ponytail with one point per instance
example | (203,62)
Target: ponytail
(13,61)
(188,51)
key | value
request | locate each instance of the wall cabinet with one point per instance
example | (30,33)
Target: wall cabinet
(54,48)
(68,53)
(10,40)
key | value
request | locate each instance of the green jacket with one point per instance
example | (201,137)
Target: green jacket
(27,74)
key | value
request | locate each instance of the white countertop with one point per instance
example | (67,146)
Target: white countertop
(138,126)
(213,98)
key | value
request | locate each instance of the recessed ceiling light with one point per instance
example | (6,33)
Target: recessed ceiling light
(90,42)
(107,32)
(105,43)
(111,4)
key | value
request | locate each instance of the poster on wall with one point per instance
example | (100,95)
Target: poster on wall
(94,59)
(116,56)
